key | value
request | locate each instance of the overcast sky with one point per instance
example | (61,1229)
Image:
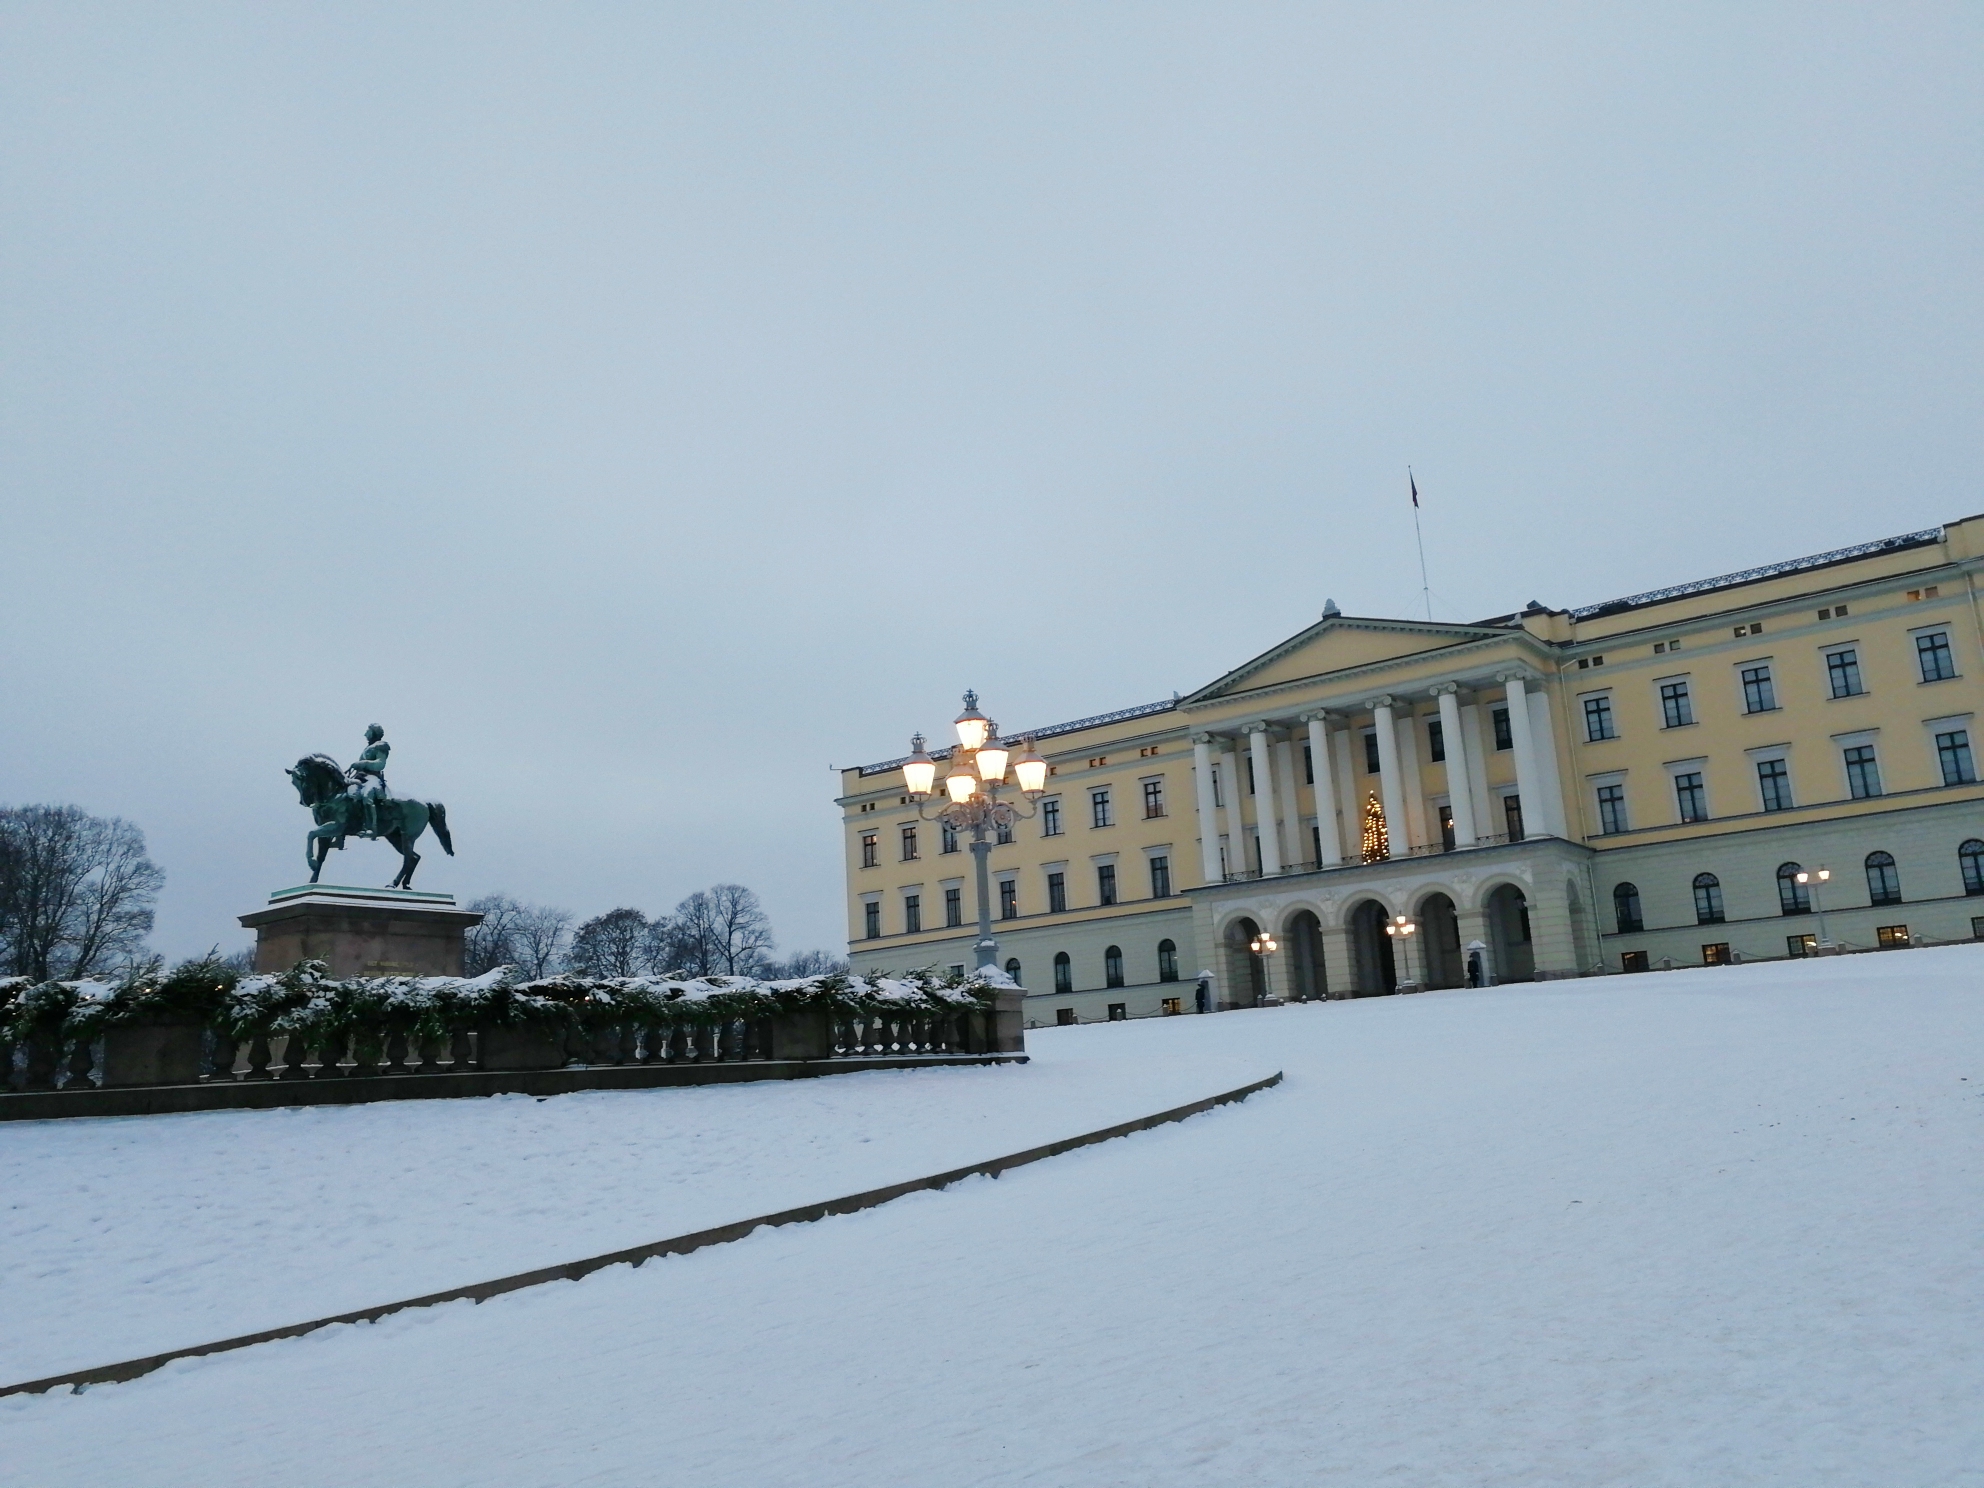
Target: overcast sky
(638,410)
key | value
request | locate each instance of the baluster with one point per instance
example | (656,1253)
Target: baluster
(44,1053)
(293,1052)
(652,1049)
(221,1052)
(706,1038)
(365,1053)
(79,1067)
(460,1052)
(330,1055)
(258,1056)
(396,1052)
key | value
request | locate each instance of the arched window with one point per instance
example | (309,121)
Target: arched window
(1013,970)
(1971,857)
(1626,905)
(1112,966)
(1167,953)
(1708,899)
(1883,883)
(1791,895)
(1064,973)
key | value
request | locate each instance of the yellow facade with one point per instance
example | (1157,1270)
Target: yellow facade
(1610,758)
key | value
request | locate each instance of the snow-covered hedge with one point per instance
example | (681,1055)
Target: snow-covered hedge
(307,1001)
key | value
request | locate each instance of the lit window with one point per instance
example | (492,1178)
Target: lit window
(1677,709)
(1843,673)
(1598,719)
(1933,655)
(909,853)
(1009,899)
(1716,955)
(1774,784)
(869,849)
(1611,808)
(1708,899)
(1098,808)
(1883,880)
(1160,877)
(1634,961)
(1953,754)
(1891,937)
(1690,796)
(1057,893)
(1050,817)
(1105,883)
(1153,798)
(1863,772)
(1759,695)
(1801,945)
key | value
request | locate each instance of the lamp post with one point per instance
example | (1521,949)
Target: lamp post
(1265,945)
(978,772)
(1401,930)
(1816,883)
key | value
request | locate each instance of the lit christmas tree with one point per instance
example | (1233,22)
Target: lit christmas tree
(1375,846)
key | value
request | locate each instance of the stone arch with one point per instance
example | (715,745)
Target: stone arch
(1439,950)
(1246,977)
(1507,909)
(1302,946)
(1373,963)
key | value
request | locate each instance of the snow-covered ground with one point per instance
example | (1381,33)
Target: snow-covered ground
(1711,1227)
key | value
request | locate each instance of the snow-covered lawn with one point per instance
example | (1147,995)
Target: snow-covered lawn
(1716,1227)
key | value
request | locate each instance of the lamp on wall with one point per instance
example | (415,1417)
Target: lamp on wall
(979,767)
(1816,882)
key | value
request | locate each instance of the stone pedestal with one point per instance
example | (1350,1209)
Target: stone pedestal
(361,932)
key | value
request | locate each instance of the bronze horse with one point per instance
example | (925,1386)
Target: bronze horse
(320,785)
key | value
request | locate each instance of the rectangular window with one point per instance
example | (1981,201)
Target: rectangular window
(1716,955)
(1863,773)
(1064,1017)
(1759,696)
(1009,899)
(1436,742)
(1050,817)
(1218,789)
(1308,765)
(1057,893)
(1774,784)
(869,849)
(1634,961)
(947,838)
(1801,945)
(1933,655)
(1250,773)
(1160,878)
(1371,754)
(953,907)
(1512,817)
(1611,808)
(1153,799)
(1002,835)
(909,853)
(912,913)
(1953,754)
(1677,709)
(1105,883)
(1316,844)
(1447,840)
(871,913)
(1977,927)
(1173,1007)
(1598,720)
(1119,1012)
(1891,937)
(1691,796)
(1843,673)
(1504,739)
(1098,809)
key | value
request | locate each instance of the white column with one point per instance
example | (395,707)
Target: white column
(1293,848)
(1343,751)
(1208,812)
(1529,783)
(1544,738)
(1487,820)
(1390,786)
(1409,786)
(1460,794)
(1319,761)
(1236,824)
(1264,812)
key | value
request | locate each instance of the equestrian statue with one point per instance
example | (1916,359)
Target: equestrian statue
(344,801)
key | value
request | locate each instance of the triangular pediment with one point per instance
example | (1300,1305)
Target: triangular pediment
(1342,643)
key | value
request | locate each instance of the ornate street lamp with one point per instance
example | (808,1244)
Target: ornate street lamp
(1816,882)
(1265,945)
(1401,930)
(979,766)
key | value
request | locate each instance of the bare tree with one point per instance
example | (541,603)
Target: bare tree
(803,964)
(493,942)
(540,940)
(719,931)
(76,891)
(612,944)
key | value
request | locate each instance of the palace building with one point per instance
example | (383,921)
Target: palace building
(1658,780)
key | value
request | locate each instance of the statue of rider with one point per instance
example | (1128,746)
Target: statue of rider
(367,777)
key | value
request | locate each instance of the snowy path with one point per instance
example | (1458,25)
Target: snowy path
(1708,1227)
(127,1237)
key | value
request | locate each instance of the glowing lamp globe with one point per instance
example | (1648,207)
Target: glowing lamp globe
(1031,771)
(920,774)
(992,762)
(960,782)
(974,728)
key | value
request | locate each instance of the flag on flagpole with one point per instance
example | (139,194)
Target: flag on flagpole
(1415,489)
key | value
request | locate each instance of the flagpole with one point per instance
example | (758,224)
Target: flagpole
(1425,588)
